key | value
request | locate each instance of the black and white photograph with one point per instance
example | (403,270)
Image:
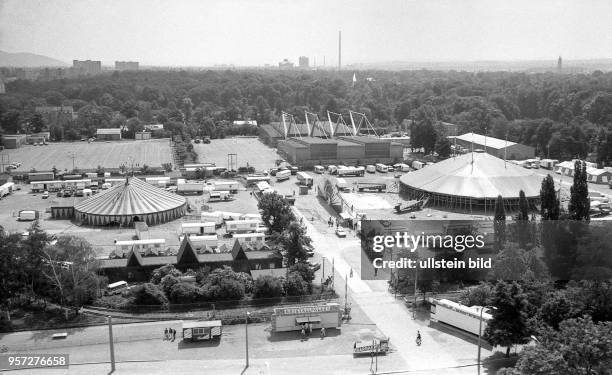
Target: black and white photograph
(271,187)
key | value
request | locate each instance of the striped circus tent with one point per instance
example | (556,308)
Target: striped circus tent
(129,202)
(472,182)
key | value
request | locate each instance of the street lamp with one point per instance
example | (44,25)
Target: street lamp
(480,330)
(246,332)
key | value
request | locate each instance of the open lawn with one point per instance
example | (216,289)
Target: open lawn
(153,153)
(248,150)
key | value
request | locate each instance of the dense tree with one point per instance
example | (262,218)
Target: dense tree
(148,294)
(275,212)
(295,285)
(499,221)
(158,274)
(295,244)
(579,204)
(509,323)
(549,202)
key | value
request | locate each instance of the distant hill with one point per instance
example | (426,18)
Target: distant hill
(27,60)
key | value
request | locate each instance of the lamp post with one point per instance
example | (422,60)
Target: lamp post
(246,333)
(480,331)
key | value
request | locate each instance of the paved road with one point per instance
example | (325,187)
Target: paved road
(439,350)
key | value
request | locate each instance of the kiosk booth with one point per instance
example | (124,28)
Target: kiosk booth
(294,318)
(201,330)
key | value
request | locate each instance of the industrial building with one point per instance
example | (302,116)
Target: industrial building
(87,67)
(472,182)
(311,151)
(113,134)
(497,147)
(13,140)
(126,65)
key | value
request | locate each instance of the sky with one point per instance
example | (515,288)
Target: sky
(258,32)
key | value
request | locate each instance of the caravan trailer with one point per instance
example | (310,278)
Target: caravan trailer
(215,217)
(198,228)
(250,237)
(241,226)
(201,242)
(371,168)
(304,179)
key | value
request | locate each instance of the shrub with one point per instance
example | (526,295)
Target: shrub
(167,282)
(295,285)
(268,287)
(224,289)
(186,293)
(162,271)
(148,294)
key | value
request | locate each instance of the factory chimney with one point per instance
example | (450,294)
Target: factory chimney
(339,50)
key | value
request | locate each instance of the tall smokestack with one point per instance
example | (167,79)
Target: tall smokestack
(339,50)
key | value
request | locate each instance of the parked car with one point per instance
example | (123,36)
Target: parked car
(45,195)
(340,232)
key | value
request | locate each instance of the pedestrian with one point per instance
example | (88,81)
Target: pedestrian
(166,334)
(173,334)
(303,333)
(322,332)
(309,329)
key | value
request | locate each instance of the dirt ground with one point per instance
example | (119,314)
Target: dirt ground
(152,152)
(247,150)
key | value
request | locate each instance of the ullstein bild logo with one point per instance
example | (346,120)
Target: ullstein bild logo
(462,250)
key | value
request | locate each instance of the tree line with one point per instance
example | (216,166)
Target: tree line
(563,116)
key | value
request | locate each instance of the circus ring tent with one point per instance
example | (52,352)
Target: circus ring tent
(472,182)
(129,202)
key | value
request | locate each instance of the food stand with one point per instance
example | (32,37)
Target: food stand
(375,346)
(295,317)
(201,330)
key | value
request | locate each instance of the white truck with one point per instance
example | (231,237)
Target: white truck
(217,196)
(231,186)
(27,215)
(241,226)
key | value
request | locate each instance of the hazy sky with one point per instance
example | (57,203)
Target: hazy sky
(257,32)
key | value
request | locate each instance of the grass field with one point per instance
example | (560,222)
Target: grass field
(250,150)
(89,155)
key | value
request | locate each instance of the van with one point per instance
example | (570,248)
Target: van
(382,168)
(283,175)
(332,169)
(319,169)
(370,169)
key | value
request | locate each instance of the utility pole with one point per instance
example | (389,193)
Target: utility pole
(111,342)
(246,332)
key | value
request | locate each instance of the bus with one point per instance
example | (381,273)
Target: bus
(460,316)
(382,168)
(351,171)
(304,179)
(116,287)
(283,175)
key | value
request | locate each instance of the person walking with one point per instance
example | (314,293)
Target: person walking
(303,333)
(322,333)
(166,334)
(309,329)
(173,334)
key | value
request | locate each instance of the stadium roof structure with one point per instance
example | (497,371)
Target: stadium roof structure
(481,140)
(470,181)
(129,202)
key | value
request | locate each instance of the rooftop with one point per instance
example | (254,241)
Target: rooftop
(481,140)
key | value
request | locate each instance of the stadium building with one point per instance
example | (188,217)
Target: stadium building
(311,151)
(472,182)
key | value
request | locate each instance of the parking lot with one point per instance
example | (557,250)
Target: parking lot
(249,151)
